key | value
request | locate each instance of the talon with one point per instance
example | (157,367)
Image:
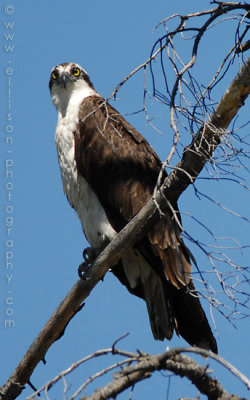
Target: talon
(89,255)
(85,253)
(82,269)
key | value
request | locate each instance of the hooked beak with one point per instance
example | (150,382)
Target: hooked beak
(64,78)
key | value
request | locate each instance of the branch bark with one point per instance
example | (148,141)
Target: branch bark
(169,361)
(194,158)
(209,136)
(139,366)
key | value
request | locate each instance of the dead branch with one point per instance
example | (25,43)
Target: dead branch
(185,173)
(180,365)
(140,366)
(194,159)
(209,137)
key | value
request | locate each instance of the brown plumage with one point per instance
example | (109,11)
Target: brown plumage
(122,169)
(109,171)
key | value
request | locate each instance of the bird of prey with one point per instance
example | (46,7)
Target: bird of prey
(109,171)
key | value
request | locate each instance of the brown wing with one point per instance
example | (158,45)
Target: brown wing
(122,169)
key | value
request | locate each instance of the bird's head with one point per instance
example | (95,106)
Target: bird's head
(69,81)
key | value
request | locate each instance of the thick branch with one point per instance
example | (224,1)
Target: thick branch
(194,159)
(139,366)
(209,137)
(170,361)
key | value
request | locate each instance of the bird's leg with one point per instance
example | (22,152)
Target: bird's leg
(89,255)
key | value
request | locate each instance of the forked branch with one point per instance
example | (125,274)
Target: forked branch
(193,160)
(135,367)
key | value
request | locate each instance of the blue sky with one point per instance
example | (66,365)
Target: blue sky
(109,39)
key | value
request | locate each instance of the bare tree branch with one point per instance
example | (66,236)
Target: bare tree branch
(180,365)
(209,137)
(140,366)
(194,158)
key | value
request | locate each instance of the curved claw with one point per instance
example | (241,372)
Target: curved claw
(89,255)
(82,269)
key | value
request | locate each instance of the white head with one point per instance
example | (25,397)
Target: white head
(69,82)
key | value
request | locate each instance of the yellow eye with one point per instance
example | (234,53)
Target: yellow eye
(54,75)
(76,72)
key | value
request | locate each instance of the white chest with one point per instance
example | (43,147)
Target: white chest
(81,197)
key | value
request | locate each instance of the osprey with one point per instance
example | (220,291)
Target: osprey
(109,171)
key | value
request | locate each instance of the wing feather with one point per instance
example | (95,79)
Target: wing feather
(122,169)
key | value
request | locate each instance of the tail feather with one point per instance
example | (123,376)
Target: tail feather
(159,308)
(192,323)
(138,273)
(169,308)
